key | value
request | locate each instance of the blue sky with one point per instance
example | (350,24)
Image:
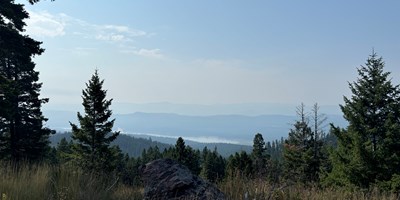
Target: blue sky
(211,52)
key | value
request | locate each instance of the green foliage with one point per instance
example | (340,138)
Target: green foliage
(367,151)
(64,151)
(240,163)
(259,156)
(275,149)
(152,153)
(303,155)
(129,144)
(130,175)
(22,135)
(92,139)
(186,155)
(212,166)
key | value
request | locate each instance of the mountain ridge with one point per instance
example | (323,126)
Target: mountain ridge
(235,128)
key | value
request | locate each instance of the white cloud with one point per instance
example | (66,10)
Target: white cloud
(116,28)
(114,33)
(43,24)
(122,29)
(151,53)
(111,37)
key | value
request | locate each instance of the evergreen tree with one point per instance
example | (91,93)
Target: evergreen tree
(240,164)
(259,156)
(92,139)
(186,155)
(180,150)
(319,160)
(22,135)
(213,165)
(275,149)
(64,151)
(131,172)
(302,150)
(368,149)
(152,153)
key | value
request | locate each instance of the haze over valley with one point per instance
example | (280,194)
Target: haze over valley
(234,123)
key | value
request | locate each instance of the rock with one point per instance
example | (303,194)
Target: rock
(167,179)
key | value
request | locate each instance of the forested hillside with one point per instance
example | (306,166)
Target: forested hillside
(134,146)
(131,145)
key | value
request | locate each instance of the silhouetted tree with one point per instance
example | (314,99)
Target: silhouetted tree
(22,135)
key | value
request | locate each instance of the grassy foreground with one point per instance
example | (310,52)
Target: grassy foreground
(242,188)
(64,183)
(61,183)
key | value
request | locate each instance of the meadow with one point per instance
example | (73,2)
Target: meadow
(67,183)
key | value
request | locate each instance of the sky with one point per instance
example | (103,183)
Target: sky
(211,52)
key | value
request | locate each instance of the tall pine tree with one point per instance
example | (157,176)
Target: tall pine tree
(186,155)
(22,135)
(259,156)
(368,150)
(92,139)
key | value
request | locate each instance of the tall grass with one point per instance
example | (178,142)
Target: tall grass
(61,183)
(24,182)
(67,183)
(239,187)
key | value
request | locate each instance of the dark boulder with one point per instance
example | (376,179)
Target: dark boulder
(167,179)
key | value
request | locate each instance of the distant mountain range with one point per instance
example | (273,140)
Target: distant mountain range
(247,109)
(236,129)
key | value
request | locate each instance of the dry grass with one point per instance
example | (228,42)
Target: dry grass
(65,183)
(27,182)
(242,188)
(124,192)
(60,183)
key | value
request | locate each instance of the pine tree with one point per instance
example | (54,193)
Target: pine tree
(213,165)
(241,164)
(92,139)
(22,135)
(259,156)
(302,150)
(319,146)
(64,151)
(152,153)
(180,150)
(186,155)
(368,149)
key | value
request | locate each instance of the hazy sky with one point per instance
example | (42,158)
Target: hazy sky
(212,52)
